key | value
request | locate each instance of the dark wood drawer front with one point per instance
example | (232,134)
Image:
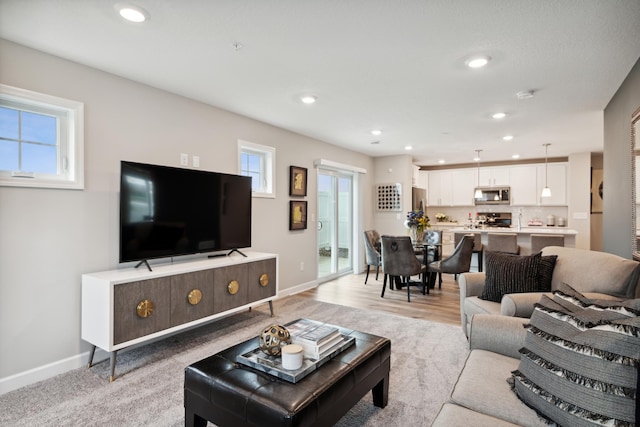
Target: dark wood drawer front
(186,289)
(223,298)
(256,271)
(128,324)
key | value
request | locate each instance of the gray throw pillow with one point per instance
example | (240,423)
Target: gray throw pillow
(579,364)
(508,274)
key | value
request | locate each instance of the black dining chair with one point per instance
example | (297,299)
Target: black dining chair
(458,262)
(399,260)
(372,252)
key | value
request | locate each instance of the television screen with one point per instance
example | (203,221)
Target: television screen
(167,211)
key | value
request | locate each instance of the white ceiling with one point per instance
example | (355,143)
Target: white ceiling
(393,65)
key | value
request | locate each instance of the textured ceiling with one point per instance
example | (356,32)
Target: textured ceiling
(393,65)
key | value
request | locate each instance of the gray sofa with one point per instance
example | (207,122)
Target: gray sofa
(595,274)
(482,396)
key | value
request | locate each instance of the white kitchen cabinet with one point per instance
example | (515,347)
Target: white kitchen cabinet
(423,179)
(463,183)
(439,191)
(494,176)
(521,181)
(557,180)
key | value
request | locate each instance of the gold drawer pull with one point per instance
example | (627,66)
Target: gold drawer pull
(233,287)
(194,296)
(145,308)
(264,279)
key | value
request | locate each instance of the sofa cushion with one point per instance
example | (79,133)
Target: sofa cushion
(580,360)
(594,271)
(454,415)
(482,387)
(508,273)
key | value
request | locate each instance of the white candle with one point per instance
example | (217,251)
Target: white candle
(292,355)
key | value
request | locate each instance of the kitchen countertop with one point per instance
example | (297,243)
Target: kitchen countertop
(543,229)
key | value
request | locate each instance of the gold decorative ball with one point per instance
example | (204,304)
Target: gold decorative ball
(273,338)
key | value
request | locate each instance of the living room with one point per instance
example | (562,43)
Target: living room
(50,237)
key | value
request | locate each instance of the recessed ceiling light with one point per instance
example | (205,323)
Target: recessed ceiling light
(507,137)
(375,142)
(478,61)
(499,115)
(515,156)
(408,147)
(132,13)
(376,132)
(441,161)
(309,99)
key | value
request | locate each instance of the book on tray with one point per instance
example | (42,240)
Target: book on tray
(316,338)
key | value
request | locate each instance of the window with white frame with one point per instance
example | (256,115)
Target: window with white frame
(258,162)
(41,140)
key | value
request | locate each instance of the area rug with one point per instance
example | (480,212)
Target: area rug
(425,360)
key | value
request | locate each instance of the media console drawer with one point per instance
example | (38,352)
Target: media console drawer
(130,306)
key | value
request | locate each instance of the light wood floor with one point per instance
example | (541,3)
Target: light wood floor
(440,305)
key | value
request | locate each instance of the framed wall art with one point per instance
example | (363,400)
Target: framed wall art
(596,190)
(297,215)
(297,181)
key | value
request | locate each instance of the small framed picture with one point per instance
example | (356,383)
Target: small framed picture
(297,181)
(297,215)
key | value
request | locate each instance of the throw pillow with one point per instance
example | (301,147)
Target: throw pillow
(545,272)
(579,364)
(507,274)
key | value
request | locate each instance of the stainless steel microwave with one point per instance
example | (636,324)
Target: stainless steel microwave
(492,196)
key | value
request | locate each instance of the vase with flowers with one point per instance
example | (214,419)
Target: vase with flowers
(416,222)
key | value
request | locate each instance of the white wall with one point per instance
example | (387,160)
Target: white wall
(579,197)
(48,238)
(391,170)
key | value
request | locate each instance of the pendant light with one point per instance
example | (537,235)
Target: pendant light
(478,193)
(546,191)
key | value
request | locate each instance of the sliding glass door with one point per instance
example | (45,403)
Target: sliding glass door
(335,224)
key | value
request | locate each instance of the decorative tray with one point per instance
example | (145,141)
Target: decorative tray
(272,365)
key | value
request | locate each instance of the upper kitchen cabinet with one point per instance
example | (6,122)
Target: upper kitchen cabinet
(557,180)
(493,176)
(439,190)
(521,181)
(463,184)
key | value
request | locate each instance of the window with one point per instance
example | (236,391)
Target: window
(41,140)
(258,162)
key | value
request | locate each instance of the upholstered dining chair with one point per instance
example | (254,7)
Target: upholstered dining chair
(372,252)
(399,260)
(477,245)
(458,262)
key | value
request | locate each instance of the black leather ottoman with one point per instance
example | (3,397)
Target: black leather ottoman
(219,390)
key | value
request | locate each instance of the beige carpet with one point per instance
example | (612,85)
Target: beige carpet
(425,360)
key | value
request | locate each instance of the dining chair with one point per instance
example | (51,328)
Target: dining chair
(477,245)
(503,242)
(458,262)
(372,252)
(539,241)
(399,260)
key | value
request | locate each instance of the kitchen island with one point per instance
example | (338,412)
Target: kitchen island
(524,235)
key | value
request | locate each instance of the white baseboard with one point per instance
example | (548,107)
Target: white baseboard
(47,371)
(44,372)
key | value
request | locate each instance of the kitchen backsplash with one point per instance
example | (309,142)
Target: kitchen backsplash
(529,213)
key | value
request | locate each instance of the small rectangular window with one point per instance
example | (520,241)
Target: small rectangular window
(41,140)
(258,162)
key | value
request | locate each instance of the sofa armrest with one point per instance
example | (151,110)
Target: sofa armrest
(471,284)
(520,305)
(499,334)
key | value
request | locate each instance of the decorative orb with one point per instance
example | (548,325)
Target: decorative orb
(273,338)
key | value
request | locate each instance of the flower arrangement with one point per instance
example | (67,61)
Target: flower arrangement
(441,217)
(417,219)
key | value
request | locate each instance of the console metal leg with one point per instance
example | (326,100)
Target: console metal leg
(91,353)
(271,307)
(113,366)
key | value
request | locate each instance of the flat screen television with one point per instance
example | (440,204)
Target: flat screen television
(167,211)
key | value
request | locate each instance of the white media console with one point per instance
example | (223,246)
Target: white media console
(124,307)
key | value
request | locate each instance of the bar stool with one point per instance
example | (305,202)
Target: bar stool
(503,242)
(477,245)
(539,241)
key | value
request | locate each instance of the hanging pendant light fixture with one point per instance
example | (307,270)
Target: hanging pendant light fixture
(546,191)
(478,193)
